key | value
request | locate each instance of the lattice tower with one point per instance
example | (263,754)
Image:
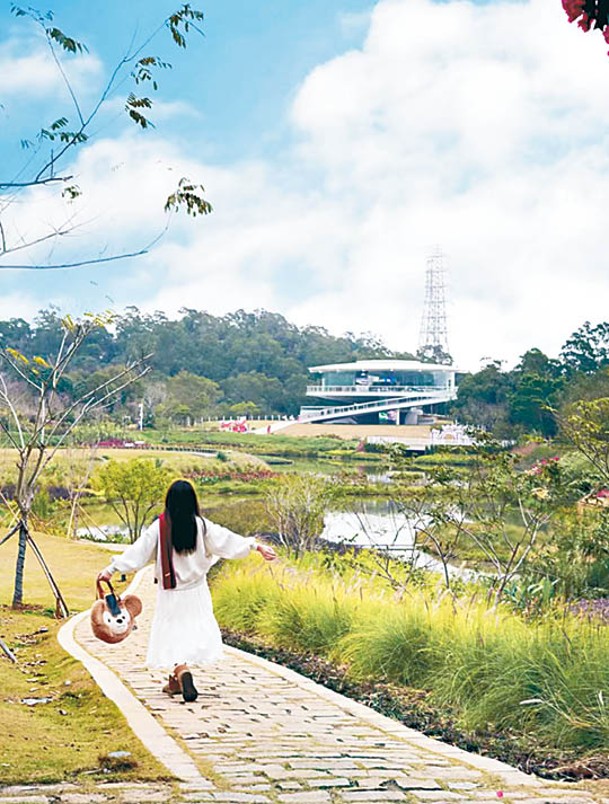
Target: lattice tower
(433,337)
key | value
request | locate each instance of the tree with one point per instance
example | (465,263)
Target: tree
(133,488)
(534,361)
(37,419)
(585,386)
(434,354)
(587,350)
(537,381)
(296,505)
(493,506)
(16,333)
(482,399)
(46,167)
(586,425)
(267,393)
(190,397)
(531,402)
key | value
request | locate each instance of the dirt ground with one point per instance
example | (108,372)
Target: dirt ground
(357,430)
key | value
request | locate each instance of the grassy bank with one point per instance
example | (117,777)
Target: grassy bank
(545,682)
(74,566)
(70,733)
(286,446)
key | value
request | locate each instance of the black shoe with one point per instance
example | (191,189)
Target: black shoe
(189,691)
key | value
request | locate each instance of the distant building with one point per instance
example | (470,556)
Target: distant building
(376,391)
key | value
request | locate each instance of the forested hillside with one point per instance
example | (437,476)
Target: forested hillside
(531,397)
(201,364)
(256,363)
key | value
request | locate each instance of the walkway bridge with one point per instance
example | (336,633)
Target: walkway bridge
(408,398)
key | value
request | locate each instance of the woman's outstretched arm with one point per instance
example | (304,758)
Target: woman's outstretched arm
(136,556)
(227,544)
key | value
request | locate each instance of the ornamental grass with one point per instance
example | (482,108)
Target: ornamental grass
(495,670)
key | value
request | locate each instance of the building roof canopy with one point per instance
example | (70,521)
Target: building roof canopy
(382,365)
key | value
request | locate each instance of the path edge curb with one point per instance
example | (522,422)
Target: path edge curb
(143,724)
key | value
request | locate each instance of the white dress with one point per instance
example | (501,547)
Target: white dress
(184,629)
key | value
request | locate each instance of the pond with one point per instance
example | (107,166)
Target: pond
(377,524)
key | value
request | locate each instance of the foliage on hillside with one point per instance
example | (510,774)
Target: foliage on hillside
(257,363)
(201,364)
(537,394)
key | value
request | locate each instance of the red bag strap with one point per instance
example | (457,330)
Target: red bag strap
(168,578)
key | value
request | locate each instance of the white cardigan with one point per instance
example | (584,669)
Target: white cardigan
(190,568)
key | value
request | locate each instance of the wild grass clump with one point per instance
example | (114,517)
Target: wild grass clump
(390,641)
(311,618)
(243,595)
(499,673)
(292,610)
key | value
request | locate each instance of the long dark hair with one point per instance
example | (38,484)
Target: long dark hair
(181,512)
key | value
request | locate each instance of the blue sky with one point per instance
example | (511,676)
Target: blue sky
(339,142)
(235,83)
(240,77)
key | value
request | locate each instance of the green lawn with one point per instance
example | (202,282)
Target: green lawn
(69,736)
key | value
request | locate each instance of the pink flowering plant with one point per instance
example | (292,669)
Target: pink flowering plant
(589,14)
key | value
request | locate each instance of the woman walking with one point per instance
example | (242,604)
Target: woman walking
(185,545)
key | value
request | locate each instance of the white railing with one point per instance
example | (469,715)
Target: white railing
(375,390)
(391,403)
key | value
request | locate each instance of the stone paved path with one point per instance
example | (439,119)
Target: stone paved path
(265,735)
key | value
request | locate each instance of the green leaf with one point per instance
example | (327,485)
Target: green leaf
(69,44)
(190,197)
(180,19)
(61,122)
(71,193)
(132,107)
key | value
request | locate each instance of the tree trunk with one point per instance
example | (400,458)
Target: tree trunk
(20,566)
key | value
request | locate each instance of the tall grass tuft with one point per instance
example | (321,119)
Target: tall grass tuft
(243,595)
(310,618)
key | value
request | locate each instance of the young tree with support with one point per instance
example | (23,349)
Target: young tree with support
(37,419)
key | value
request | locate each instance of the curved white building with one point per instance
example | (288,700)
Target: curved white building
(367,391)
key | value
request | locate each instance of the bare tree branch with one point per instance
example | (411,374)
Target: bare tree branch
(77,264)
(5,396)
(9,185)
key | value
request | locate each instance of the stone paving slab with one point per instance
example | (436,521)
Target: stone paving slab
(265,735)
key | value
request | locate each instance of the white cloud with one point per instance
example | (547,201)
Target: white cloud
(480,127)
(27,71)
(17,305)
(477,127)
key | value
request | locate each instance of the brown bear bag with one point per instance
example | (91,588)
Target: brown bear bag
(113,617)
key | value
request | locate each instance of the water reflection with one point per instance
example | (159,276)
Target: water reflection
(381,525)
(102,533)
(377,524)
